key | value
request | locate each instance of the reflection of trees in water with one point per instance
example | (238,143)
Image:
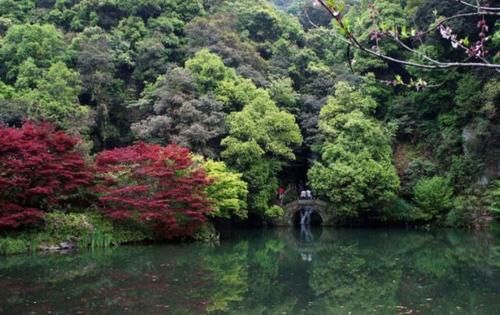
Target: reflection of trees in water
(228,271)
(366,272)
(134,279)
(345,279)
(412,271)
(359,271)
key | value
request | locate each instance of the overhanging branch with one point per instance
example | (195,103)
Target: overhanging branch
(435,64)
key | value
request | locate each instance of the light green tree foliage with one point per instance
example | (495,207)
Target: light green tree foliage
(261,138)
(434,197)
(51,94)
(282,92)
(355,171)
(235,93)
(43,43)
(228,190)
(212,76)
(496,41)
(208,70)
(31,58)
(262,123)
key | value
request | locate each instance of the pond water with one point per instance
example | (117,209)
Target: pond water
(281,271)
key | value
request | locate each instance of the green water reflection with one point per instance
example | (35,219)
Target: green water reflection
(267,272)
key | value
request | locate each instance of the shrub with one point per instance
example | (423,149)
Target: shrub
(275,211)
(90,229)
(65,226)
(227,190)
(153,185)
(464,172)
(9,246)
(416,170)
(40,168)
(494,196)
(433,196)
(469,211)
(399,210)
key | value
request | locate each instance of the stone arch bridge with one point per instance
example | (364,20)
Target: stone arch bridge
(319,206)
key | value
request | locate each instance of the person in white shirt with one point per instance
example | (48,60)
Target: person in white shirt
(309,195)
(303,194)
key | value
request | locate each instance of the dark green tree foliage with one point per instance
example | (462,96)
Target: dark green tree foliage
(93,55)
(178,113)
(218,34)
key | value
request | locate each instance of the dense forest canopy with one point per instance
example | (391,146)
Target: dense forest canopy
(273,93)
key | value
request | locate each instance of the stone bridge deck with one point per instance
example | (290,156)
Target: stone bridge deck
(319,206)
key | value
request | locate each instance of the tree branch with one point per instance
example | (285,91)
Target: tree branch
(337,15)
(477,6)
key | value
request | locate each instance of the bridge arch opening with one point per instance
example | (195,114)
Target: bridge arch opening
(316,219)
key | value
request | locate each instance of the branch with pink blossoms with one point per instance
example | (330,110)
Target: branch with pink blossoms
(473,51)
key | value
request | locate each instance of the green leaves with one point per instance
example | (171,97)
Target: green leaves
(54,96)
(43,43)
(355,171)
(336,5)
(494,194)
(261,137)
(228,191)
(275,131)
(434,197)
(208,70)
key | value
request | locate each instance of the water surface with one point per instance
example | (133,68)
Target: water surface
(327,271)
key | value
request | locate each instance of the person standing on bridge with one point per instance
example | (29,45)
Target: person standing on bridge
(303,194)
(309,195)
(281,192)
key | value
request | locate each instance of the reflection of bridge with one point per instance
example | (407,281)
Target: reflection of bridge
(320,207)
(307,249)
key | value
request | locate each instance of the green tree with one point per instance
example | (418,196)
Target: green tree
(284,95)
(434,197)
(54,96)
(228,191)
(208,70)
(261,138)
(43,43)
(176,112)
(219,34)
(355,171)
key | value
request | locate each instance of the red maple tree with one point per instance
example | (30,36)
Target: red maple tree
(154,185)
(40,168)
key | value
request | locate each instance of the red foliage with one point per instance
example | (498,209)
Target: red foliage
(39,167)
(155,185)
